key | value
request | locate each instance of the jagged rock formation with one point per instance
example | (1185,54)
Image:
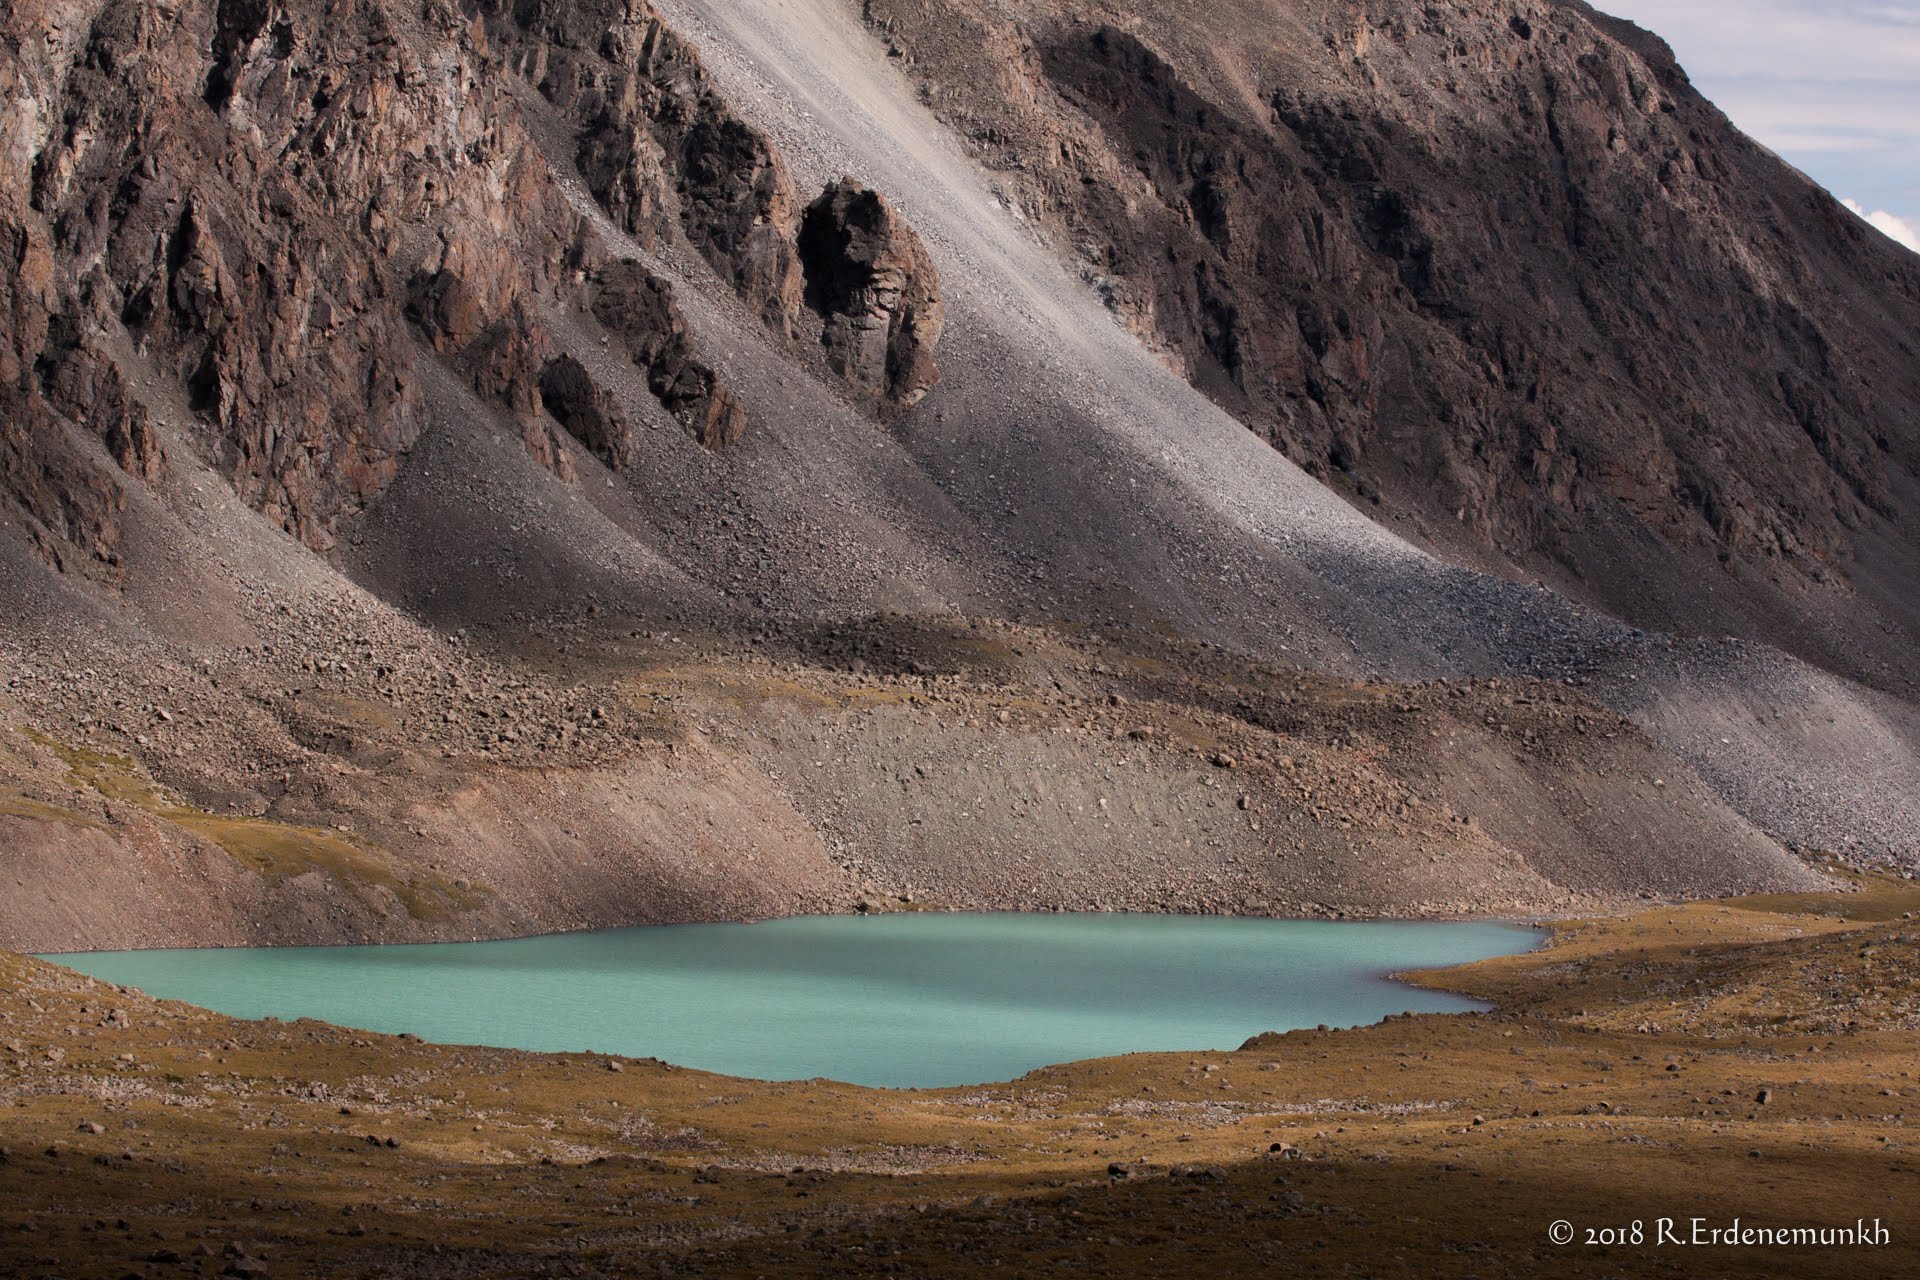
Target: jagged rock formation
(639,307)
(506,363)
(871,278)
(259,201)
(69,504)
(658,146)
(238,223)
(587,411)
(661,149)
(71,500)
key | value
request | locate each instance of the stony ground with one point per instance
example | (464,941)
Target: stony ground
(350,776)
(1749,1058)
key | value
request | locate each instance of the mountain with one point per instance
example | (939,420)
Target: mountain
(479,468)
(1496,271)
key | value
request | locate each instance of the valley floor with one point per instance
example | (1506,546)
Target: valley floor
(1750,1058)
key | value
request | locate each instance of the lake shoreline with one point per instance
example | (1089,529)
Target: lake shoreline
(1531,921)
(1449,1135)
(922,1000)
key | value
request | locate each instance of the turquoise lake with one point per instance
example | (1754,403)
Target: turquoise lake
(921,999)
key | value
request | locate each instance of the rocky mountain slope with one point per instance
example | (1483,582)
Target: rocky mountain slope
(492,467)
(1495,268)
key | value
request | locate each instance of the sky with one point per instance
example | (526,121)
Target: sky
(1831,85)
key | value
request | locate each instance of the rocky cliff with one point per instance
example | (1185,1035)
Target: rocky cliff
(268,203)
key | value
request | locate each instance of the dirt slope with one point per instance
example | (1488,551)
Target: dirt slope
(401,787)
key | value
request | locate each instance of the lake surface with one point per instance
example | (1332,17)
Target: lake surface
(919,999)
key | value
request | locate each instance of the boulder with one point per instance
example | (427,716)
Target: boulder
(872,280)
(588,411)
(639,308)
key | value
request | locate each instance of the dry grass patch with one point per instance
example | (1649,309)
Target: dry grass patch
(267,847)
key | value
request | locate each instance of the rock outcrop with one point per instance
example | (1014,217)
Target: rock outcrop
(639,307)
(69,504)
(242,225)
(273,205)
(506,364)
(872,281)
(658,146)
(588,411)
(71,500)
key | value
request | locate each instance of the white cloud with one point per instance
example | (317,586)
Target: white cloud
(1900,230)
(1839,39)
(1828,84)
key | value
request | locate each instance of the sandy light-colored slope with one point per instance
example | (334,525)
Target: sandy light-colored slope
(1065,442)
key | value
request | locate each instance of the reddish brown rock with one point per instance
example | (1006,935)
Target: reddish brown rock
(547,447)
(872,280)
(445,309)
(69,504)
(81,381)
(242,220)
(720,420)
(588,411)
(638,306)
(505,365)
(658,146)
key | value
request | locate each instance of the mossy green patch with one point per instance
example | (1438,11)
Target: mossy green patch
(15,805)
(116,777)
(282,849)
(734,687)
(1877,896)
(270,848)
